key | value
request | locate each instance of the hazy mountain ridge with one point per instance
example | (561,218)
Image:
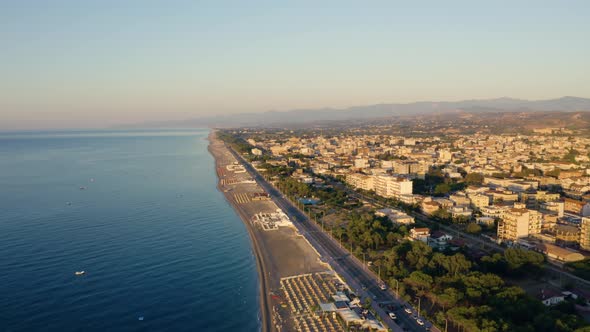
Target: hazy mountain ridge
(299,116)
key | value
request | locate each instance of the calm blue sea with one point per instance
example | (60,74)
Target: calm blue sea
(155,237)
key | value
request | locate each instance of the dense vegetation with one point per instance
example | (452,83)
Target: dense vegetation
(237,143)
(468,294)
(581,268)
(437,184)
(327,195)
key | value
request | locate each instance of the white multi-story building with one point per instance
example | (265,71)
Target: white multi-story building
(361,181)
(519,222)
(391,186)
(479,201)
(516,185)
(555,207)
(494,211)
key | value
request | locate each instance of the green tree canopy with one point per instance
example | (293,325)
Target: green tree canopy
(473,228)
(517,258)
(442,189)
(474,178)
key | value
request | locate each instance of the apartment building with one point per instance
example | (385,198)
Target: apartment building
(519,222)
(409,167)
(585,233)
(537,197)
(557,208)
(517,185)
(361,181)
(391,186)
(479,201)
(460,199)
(574,205)
(502,195)
(566,234)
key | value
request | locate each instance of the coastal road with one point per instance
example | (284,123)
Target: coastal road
(360,278)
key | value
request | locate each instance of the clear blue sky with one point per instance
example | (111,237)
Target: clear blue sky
(98,63)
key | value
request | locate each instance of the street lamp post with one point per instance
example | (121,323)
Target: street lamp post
(419,300)
(396,288)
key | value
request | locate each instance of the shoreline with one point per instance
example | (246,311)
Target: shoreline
(261,266)
(311,252)
(282,252)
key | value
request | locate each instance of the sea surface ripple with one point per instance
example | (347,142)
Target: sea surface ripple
(140,213)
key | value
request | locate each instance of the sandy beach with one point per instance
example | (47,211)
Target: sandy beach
(280,252)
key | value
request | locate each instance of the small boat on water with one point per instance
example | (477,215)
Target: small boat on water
(82,188)
(79,273)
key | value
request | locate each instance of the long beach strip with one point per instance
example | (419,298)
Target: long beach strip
(293,279)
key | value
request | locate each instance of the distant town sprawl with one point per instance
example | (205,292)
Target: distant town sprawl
(535,188)
(512,205)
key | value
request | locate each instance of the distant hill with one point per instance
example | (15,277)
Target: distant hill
(564,104)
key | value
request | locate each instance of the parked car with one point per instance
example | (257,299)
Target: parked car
(420,322)
(392,316)
(408,311)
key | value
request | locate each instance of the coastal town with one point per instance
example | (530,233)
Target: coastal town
(460,232)
(295,166)
(535,188)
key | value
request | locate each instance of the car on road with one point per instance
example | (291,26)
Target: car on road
(363,286)
(392,315)
(383,286)
(408,311)
(420,322)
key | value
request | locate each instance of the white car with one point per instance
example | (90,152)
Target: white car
(420,322)
(392,316)
(408,311)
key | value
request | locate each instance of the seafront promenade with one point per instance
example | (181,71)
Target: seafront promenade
(358,277)
(293,253)
(280,251)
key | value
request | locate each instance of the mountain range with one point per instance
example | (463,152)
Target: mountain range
(301,116)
